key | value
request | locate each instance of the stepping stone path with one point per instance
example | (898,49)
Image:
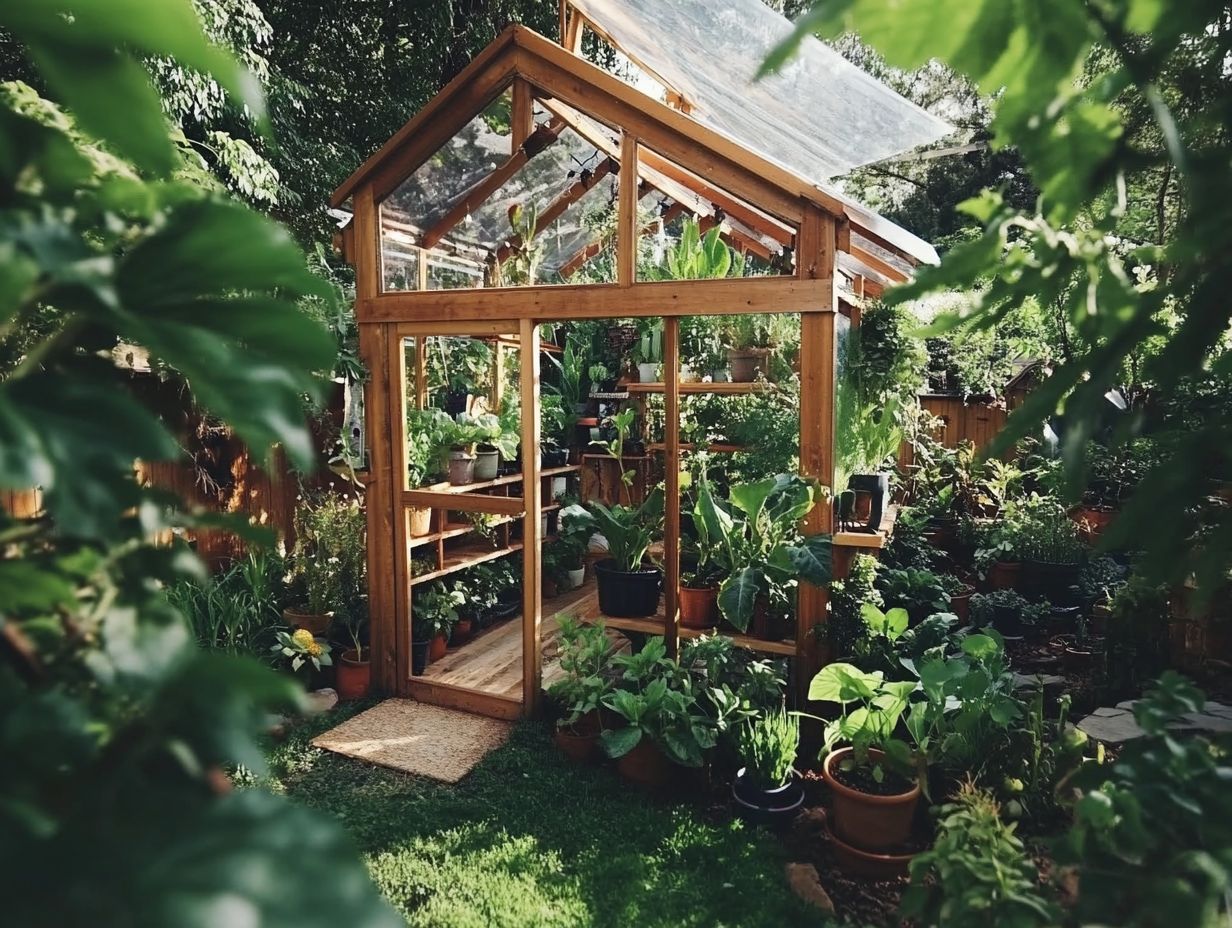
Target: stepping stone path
(1116,725)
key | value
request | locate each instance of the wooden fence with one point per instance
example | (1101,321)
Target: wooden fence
(977,423)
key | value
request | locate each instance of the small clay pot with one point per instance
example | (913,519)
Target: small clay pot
(866,821)
(744,363)
(354,676)
(869,864)
(420,521)
(1003,575)
(438,647)
(699,608)
(646,765)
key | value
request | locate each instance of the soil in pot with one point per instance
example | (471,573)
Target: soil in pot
(744,363)
(868,820)
(461,468)
(317,623)
(419,657)
(774,808)
(354,676)
(486,464)
(628,595)
(646,765)
(699,608)
(421,521)
(438,647)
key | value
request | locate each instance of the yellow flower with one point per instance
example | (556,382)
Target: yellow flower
(304,639)
(314,649)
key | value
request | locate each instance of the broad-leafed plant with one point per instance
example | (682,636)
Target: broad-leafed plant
(754,538)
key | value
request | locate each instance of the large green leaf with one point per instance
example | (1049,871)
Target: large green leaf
(812,559)
(738,595)
(620,741)
(749,498)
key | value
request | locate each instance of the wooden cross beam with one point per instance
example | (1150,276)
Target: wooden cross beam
(586,252)
(540,139)
(575,192)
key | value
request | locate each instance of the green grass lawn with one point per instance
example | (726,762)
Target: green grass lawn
(531,839)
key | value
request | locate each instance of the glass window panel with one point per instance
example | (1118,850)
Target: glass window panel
(820,116)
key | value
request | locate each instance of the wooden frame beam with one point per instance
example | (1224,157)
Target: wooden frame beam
(671,479)
(464,502)
(532,529)
(578,189)
(462,309)
(479,192)
(626,220)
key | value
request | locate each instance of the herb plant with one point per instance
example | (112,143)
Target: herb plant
(768,746)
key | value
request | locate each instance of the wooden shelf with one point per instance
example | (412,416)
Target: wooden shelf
(783,648)
(498,482)
(719,448)
(457,529)
(468,556)
(725,388)
(873,540)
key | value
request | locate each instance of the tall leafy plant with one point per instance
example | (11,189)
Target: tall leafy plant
(754,536)
(115,728)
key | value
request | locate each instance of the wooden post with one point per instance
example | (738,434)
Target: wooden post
(532,533)
(626,229)
(385,589)
(671,465)
(815,259)
(421,371)
(523,116)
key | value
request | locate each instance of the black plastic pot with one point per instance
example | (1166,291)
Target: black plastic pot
(628,595)
(774,808)
(1056,583)
(877,486)
(554,457)
(1008,621)
(419,657)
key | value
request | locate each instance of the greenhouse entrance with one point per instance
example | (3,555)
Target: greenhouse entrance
(535,235)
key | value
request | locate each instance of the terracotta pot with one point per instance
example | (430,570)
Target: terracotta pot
(316,623)
(865,821)
(699,608)
(462,632)
(1092,521)
(646,765)
(438,647)
(744,363)
(960,605)
(421,521)
(868,864)
(354,677)
(1003,575)
(580,742)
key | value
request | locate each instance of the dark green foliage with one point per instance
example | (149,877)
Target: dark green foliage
(1152,832)
(977,873)
(1137,636)
(846,624)
(531,839)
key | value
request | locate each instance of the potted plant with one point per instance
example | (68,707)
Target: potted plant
(1052,557)
(628,586)
(750,341)
(921,592)
(426,440)
(766,789)
(754,539)
(1005,610)
(602,380)
(662,722)
(436,605)
(553,432)
(327,576)
(568,550)
(960,593)
(874,780)
(353,675)
(585,656)
(997,555)
(648,351)
(303,651)
(484,440)
(421,642)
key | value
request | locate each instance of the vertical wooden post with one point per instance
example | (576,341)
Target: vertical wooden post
(815,259)
(626,229)
(397,383)
(384,588)
(671,466)
(421,268)
(498,375)
(523,115)
(532,532)
(421,371)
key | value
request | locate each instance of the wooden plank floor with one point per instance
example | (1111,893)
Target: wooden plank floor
(492,661)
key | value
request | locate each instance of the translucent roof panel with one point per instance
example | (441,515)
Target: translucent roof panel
(820,116)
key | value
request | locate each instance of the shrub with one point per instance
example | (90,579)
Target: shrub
(977,873)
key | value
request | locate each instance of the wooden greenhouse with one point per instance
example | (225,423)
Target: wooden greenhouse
(437,254)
